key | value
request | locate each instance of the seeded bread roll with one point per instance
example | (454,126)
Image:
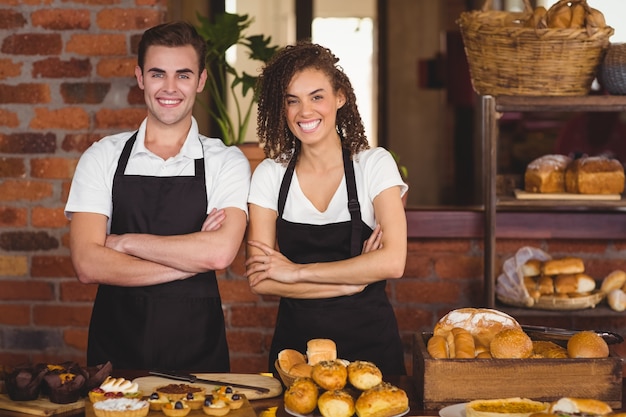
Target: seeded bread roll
(301,397)
(384,400)
(330,375)
(337,403)
(595,175)
(546,174)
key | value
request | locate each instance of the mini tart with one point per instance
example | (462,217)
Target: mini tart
(194,400)
(176,392)
(214,406)
(175,409)
(157,401)
(121,407)
(236,401)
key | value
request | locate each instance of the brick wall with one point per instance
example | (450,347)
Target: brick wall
(66,79)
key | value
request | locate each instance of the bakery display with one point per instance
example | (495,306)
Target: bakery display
(509,407)
(546,174)
(595,175)
(587,344)
(121,407)
(336,403)
(384,400)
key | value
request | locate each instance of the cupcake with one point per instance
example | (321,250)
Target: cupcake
(176,409)
(121,407)
(63,383)
(23,383)
(115,388)
(214,406)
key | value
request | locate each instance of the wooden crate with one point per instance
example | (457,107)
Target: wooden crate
(444,382)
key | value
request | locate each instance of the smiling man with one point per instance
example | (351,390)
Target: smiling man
(154,212)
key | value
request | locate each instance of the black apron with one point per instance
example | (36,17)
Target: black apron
(172,326)
(362,325)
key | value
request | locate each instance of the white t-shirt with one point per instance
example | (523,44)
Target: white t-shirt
(375,170)
(227,171)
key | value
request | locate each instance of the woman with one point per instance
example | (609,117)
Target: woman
(327,226)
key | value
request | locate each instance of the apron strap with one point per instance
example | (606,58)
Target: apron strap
(284,185)
(123,160)
(353,205)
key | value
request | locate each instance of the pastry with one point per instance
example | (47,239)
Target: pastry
(121,407)
(115,387)
(364,375)
(301,397)
(214,406)
(175,392)
(337,403)
(194,400)
(506,407)
(157,401)
(176,409)
(511,343)
(63,383)
(23,383)
(384,400)
(330,375)
(587,344)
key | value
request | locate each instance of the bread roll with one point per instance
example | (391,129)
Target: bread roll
(567,265)
(545,285)
(384,400)
(617,299)
(546,174)
(615,280)
(589,406)
(364,375)
(330,375)
(318,350)
(570,283)
(337,403)
(595,175)
(506,407)
(301,370)
(587,344)
(547,349)
(482,323)
(511,343)
(464,345)
(531,268)
(437,347)
(301,397)
(288,358)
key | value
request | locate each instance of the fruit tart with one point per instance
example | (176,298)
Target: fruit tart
(115,388)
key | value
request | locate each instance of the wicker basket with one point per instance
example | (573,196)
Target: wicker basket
(284,376)
(506,58)
(613,69)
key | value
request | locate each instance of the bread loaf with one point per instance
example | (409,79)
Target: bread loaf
(615,280)
(531,268)
(318,350)
(567,265)
(546,174)
(595,175)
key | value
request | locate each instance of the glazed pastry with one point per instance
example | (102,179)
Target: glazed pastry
(214,406)
(176,409)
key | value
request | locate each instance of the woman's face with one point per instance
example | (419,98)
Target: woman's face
(311,107)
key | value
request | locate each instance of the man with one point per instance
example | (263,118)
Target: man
(153,214)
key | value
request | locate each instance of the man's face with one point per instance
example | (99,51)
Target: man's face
(170,81)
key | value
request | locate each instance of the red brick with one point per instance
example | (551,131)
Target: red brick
(12,168)
(72,118)
(24,93)
(77,339)
(508,247)
(135,96)
(52,266)
(32,44)
(13,216)
(414,320)
(65,189)
(128,19)
(252,316)
(8,118)
(56,68)
(13,266)
(600,268)
(120,119)
(9,68)
(61,315)
(52,168)
(12,190)
(418,291)
(560,248)
(97,45)
(79,142)
(620,245)
(84,93)
(97,2)
(26,290)
(61,19)
(418,266)
(10,19)
(28,143)
(25,240)
(14,359)
(236,291)
(116,67)
(77,291)
(455,267)
(14,315)
(248,364)
(47,217)
(242,341)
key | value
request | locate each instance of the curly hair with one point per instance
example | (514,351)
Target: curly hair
(273,132)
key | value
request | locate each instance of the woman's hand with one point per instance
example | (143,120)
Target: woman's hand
(271,264)
(374,242)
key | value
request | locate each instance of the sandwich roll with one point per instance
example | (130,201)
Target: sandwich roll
(587,344)
(569,405)
(318,350)
(615,280)
(545,285)
(531,268)
(464,346)
(568,265)
(384,400)
(617,299)
(574,283)
(437,347)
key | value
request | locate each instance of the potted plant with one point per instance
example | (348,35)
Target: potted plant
(225,31)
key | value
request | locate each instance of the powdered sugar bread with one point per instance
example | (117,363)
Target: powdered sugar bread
(546,174)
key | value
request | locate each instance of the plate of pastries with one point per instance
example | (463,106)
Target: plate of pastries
(525,407)
(534,279)
(556,176)
(321,384)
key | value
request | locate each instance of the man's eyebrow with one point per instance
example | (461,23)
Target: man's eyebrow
(180,71)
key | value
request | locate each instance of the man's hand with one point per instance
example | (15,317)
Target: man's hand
(214,220)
